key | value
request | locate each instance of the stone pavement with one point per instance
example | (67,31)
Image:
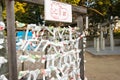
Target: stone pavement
(107,51)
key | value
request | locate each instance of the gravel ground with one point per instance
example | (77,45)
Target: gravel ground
(102,67)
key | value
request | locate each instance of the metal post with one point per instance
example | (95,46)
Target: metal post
(80,24)
(11,40)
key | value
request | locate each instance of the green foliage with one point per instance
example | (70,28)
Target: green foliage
(116,9)
(107,8)
(117,34)
(31,15)
(74,2)
(26,13)
(19,9)
(103,6)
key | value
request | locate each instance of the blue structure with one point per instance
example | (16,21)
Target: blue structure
(21,35)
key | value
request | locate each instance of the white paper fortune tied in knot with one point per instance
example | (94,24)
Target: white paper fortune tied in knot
(2,77)
(2,26)
(2,61)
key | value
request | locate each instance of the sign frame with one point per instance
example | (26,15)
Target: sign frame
(57,11)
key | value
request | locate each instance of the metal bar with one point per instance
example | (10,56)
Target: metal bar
(81,55)
(78,9)
(11,40)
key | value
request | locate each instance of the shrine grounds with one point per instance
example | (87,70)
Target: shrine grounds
(102,67)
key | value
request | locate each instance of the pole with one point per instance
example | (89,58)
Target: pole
(111,38)
(80,24)
(98,45)
(98,41)
(95,41)
(1,10)
(103,43)
(101,38)
(11,40)
(87,22)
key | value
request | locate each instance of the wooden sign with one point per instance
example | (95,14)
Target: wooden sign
(57,11)
(78,9)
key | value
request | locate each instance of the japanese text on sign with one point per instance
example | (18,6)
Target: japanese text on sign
(57,11)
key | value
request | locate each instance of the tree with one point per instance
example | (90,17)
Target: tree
(19,10)
(74,2)
(116,9)
(27,13)
(101,10)
(97,9)
(32,14)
